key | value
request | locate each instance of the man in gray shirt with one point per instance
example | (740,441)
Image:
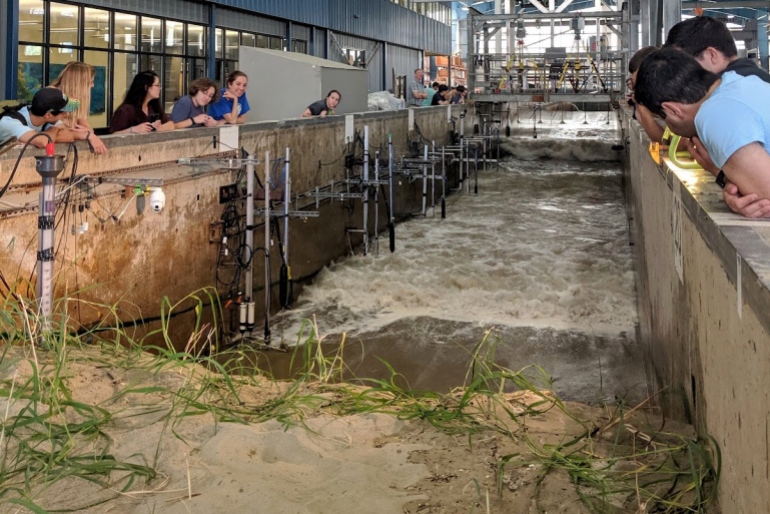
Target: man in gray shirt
(416,90)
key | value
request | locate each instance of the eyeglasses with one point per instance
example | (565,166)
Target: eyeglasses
(630,83)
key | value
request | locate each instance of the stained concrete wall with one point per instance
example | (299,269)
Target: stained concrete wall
(137,259)
(706,334)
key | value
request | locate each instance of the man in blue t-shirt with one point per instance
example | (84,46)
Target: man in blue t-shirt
(48,108)
(730,115)
(711,43)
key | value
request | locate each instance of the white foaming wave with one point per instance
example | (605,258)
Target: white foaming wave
(584,137)
(582,150)
(575,125)
(498,259)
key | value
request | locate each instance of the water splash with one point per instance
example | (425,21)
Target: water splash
(544,244)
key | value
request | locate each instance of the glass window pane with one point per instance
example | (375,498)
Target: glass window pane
(224,68)
(196,68)
(31,15)
(173,82)
(96,29)
(248,39)
(126,68)
(30,77)
(151,35)
(101,90)
(125,31)
(262,41)
(58,57)
(64,24)
(150,63)
(276,43)
(231,44)
(218,43)
(196,40)
(175,43)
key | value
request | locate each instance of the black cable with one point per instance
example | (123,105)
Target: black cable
(18,160)
(419,133)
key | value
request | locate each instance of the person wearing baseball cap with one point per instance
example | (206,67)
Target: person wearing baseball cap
(48,108)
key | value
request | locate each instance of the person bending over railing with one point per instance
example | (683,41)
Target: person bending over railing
(324,107)
(49,107)
(141,112)
(730,115)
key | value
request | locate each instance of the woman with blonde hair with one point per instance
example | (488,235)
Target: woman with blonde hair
(76,81)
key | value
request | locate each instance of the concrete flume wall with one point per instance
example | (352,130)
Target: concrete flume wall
(707,334)
(138,259)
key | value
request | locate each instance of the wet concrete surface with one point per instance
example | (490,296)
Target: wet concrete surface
(432,354)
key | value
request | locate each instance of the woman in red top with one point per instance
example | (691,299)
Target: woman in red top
(141,111)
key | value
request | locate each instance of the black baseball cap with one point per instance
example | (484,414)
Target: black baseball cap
(52,99)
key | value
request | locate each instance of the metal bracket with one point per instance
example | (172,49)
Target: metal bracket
(125,181)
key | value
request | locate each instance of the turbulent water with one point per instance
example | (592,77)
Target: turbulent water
(541,255)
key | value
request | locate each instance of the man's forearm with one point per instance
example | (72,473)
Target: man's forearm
(749,169)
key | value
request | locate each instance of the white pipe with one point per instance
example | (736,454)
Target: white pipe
(267,248)
(433,181)
(286,209)
(45,263)
(377,203)
(499,35)
(249,286)
(366,190)
(425,182)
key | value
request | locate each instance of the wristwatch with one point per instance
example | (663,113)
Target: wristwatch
(721,179)
(192,120)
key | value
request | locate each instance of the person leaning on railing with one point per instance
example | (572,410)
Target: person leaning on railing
(712,44)
(730,115)
(45,114)
(324,107)
(232,105)
(641,114)
(141,112)
(190,110)
(76,81)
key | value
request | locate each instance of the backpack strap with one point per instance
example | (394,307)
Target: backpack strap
(14,113)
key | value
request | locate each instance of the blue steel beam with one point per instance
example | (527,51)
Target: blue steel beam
(211,59)
(12,45)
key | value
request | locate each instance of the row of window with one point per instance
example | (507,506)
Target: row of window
(434,10)
(119,45)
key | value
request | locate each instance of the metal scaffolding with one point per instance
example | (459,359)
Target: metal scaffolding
(589,71)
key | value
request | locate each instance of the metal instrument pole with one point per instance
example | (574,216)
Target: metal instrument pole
(366,190)
(267,248)
(48,166)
